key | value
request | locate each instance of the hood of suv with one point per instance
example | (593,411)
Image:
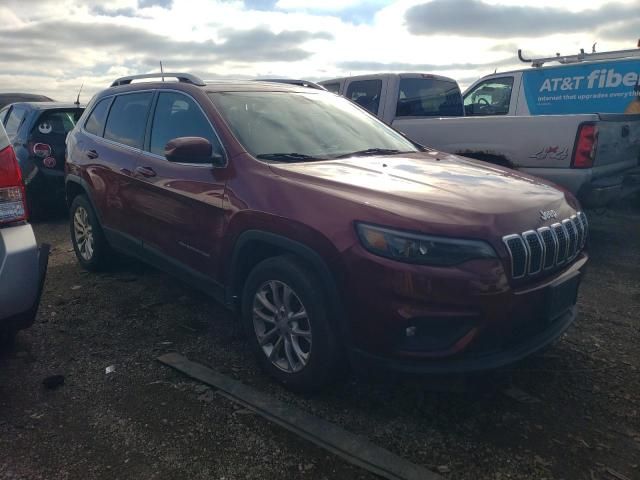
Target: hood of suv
(438,189)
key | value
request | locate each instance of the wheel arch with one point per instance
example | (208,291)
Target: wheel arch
(253,246)
(493,158)
(74,186)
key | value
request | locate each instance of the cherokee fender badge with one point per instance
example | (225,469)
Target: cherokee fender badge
(548,214)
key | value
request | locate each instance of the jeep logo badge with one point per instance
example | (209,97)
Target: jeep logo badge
(548,214)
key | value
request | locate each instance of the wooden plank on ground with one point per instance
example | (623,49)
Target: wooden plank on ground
(353,448)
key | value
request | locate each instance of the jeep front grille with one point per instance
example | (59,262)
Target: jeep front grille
(535,251)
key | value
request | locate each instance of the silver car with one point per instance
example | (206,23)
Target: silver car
(23,264)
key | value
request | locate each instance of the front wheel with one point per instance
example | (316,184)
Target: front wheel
(285,312)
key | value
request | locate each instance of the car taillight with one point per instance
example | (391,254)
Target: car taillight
(13,200)
(586,146)
(41,150)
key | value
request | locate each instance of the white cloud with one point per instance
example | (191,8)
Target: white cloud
(319,5)
(306,39)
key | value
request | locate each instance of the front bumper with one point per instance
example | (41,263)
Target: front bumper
(23,268)
(472,317)
(362,361)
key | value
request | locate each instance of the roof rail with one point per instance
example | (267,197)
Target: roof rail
(580,57)
(292,81)
(182,77)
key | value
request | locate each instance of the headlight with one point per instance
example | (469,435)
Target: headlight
(421,249)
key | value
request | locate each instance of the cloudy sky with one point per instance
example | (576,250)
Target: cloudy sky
(53,46)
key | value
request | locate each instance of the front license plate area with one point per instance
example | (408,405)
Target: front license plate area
(561,297)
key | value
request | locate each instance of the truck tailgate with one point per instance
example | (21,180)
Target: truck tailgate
(618,144)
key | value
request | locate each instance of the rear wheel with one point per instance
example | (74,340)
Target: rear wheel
(89,244)
(285,312)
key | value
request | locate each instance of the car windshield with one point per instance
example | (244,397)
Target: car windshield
(302,127)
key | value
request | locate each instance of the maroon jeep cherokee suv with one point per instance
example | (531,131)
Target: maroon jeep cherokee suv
(338,240)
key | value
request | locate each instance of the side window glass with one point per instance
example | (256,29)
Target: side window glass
(16,116)
(428,97)
(127,119)
(175,116)
(3,114)
(95,122)
(366,93)
(491,97)
(332,87)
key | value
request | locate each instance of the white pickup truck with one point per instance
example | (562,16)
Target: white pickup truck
(536,120)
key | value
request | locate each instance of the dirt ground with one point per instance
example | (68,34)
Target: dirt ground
(570,413)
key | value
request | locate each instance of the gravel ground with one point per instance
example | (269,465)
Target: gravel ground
(570,413)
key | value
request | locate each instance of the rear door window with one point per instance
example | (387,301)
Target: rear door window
(95,122)
(177,115)
(365,93)
(429,97)
(491,97)
(14,120)
(127,119)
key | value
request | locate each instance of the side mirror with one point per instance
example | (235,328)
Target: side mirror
(191,150)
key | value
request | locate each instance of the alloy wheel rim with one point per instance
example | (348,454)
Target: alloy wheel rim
(83,233)
(282,326)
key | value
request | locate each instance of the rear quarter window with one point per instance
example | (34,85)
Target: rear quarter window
(96,120)
(14,120)
(429,97)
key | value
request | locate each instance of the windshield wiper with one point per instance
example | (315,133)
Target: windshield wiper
(285,157)
(371,151)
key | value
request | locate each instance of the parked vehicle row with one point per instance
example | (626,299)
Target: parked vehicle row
(23,264)
(336,239)
(38,132)
(564,123)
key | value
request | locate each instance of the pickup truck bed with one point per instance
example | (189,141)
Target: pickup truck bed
(595,156)
(548,153)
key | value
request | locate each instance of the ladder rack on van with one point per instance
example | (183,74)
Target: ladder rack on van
(580,57)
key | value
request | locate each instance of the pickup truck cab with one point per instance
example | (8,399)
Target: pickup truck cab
(511,119)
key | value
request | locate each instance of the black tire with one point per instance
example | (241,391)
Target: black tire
(324,353)
(7,338)
(100,251)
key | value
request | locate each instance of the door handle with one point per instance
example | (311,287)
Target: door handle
(146,171)
(92,154)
